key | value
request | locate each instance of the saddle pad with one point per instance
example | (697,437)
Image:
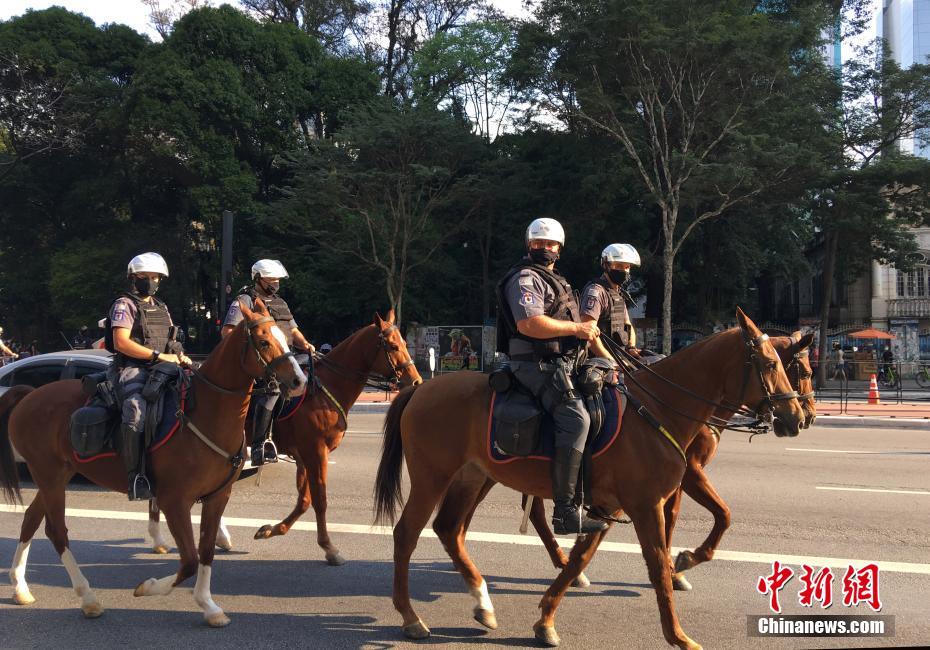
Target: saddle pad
(614,405)
(168,425)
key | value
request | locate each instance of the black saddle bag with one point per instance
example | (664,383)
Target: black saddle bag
(90,429)
(517,415)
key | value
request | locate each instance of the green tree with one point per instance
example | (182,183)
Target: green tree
(387,192)
(711,103)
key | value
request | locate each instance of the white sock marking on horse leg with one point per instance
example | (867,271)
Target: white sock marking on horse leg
(223,538)
(480,593)
(157,586)
(202,593)
(18,573)
(78,581)
(155,534)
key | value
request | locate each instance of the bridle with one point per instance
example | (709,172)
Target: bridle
(371,379)
(765,409)
(268,367)
(796,364)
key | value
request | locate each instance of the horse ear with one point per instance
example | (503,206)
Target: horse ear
(378,321)
(390,317)
(806,341)
(260,306)
(746,323)
(248,313)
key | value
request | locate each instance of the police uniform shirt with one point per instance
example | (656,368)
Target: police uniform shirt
(234,313)
(528,295)
(595,302)
(123,313)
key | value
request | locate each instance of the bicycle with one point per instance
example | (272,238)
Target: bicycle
(888,378)
(923,377)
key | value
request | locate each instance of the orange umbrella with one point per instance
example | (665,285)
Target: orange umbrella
(872,333)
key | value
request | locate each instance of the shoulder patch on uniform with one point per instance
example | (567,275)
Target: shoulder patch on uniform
(120,313)
(526,281)
(590,302)
(526,298)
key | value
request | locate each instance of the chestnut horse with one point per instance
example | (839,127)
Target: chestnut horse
(793,352)
(199,462)
(316,428)
(441,427)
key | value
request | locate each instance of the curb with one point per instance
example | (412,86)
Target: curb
(837,421)
(863,422)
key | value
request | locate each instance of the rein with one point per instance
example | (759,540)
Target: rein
(370,379)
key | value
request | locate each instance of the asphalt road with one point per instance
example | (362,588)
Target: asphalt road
(832,496)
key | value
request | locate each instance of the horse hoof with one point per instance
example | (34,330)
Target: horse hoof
(486,617)
(416,630)
(547,636)
(23,598)
(217,620)
(680,583)
(160,549)
(689,644)
(264,532)
(94,610)
(335,559)
(143,588)
(225,544)
(685,561)
(581,581)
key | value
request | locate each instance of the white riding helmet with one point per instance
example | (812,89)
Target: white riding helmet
(620,253)
(268,269)
(545,228)
(147,263)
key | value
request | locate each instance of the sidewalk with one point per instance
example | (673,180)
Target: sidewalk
(920,410)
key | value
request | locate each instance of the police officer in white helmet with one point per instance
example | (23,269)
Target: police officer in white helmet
(604,299)
(140,333)
(540,328)
(266,281)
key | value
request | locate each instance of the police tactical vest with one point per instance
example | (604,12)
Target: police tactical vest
(564,307)
(614,319)
(151,327)
(278,309)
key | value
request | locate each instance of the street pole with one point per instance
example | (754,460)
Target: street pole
(226,245)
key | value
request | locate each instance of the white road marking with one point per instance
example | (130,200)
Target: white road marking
(835,451)
(520,540)
(852,489)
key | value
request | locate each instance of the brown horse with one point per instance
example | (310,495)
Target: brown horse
(199,462)
(441,427)
(316,428)
(793,352)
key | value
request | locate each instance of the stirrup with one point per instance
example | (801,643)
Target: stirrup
(140,489)
(269,451)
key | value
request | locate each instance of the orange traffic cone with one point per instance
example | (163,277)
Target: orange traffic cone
(873,391)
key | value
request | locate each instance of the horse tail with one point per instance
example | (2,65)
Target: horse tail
(9,474)
(387,483)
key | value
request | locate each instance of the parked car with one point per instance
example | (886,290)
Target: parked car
(71,364)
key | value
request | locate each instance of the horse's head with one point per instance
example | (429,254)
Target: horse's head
(771,392)
(266,354)
(396,361)
(798,369)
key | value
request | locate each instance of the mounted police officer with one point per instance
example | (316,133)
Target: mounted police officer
(604,299)
(541,331)
(266,277)
(140,333)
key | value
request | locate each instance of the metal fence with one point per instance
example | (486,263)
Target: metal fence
(898,382)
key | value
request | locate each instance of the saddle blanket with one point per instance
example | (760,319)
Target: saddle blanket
(614,405)
(166,425)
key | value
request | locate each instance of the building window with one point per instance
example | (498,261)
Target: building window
(901,293)
(921,281)
(914,284)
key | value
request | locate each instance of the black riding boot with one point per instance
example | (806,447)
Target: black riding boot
(566,518)
(134,460)
(263,449)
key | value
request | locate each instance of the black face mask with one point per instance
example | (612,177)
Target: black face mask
(146,286)
(270,288)
(618,277)
(543,256)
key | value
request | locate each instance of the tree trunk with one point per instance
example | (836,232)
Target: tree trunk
(831,243)
(668,269)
